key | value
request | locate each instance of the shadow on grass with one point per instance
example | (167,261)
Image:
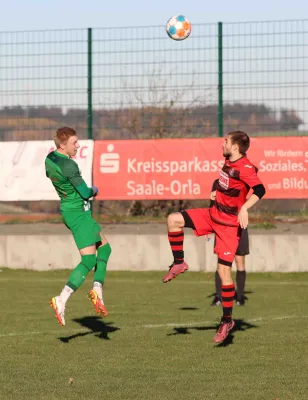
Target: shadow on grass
(188,308)
(96,326)
(240,326)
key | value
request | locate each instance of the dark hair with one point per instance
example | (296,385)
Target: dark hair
(63,134)
(241,139)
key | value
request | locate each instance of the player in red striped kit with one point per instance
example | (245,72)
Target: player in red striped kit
(226,218)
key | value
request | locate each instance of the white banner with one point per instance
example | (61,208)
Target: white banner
(22,169)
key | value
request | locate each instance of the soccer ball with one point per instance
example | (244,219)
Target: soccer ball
(178,27)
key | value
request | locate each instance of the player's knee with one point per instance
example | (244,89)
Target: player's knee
(240,262)
(224,269)
(103,239)
(104,251)
(108,249)
(89,261)
(175,220)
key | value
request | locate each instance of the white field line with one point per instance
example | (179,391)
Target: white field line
(200,323)
(70,331)
(148,326)
(179,282)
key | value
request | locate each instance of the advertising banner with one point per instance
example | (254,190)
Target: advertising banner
(186,168)
(22,169)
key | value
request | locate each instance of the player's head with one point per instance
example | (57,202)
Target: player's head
(66,140)
(236,142)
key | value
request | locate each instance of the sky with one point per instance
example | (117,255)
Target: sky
(17,15)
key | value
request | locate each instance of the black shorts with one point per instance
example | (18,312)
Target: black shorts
(243,246)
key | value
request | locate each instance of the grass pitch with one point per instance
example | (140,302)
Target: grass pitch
(156,342)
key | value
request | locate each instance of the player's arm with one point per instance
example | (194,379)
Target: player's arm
(213,192)
(215,184)
(85,192)
(251,179)
(72,173)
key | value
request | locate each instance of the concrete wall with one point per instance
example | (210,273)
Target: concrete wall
(280,253)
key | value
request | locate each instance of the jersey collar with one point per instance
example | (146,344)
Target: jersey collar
(61,155)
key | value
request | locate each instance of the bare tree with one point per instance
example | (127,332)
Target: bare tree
(155,110)
(156,107)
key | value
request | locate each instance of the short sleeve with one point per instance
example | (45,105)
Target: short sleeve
(248,175)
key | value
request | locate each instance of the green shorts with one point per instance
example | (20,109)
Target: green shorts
(84,228)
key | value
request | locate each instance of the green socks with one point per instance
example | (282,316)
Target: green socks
(103,254)
(88,262)
(79,274)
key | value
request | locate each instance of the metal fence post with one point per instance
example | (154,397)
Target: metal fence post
(220,82)
(90,119)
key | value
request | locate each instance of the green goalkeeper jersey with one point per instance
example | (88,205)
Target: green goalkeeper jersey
(66,179)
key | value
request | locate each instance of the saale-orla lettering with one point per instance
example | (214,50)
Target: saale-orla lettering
(153,188)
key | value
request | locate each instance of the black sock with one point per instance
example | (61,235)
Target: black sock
(240,283)
(228,292)
(218,284)
(176,240)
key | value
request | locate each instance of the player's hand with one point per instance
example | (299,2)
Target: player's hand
(95,190)
(243,217)
(213,195)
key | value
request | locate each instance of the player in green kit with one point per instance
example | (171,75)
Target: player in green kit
(74,194)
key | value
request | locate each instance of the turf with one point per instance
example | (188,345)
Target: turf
(156,342)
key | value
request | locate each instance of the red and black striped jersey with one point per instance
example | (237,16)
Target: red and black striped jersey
(235,180)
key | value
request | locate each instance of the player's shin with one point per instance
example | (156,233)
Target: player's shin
(217,284)
(240,283)
(79,274)
(227,295)
(227,291)
(176,240)
(103,254)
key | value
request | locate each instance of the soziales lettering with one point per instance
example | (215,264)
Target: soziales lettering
(281,166)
